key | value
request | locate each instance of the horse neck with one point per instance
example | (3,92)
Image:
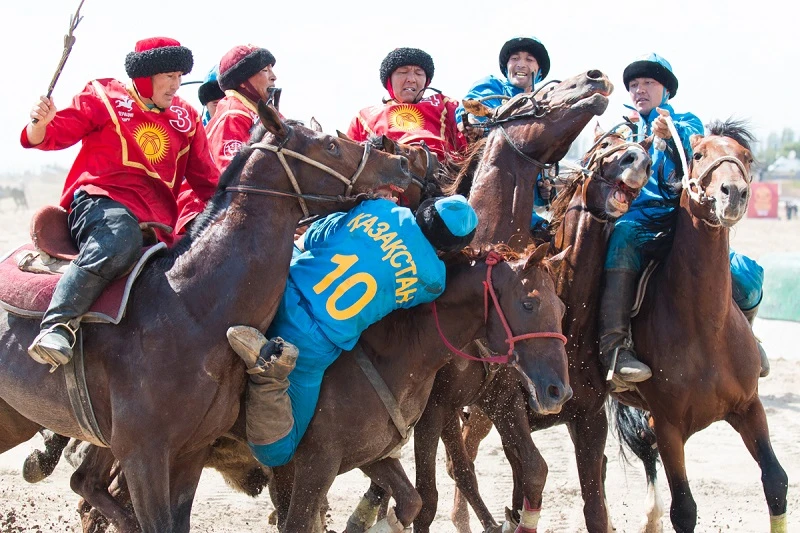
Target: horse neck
(698,265)
(231,269)
(502,195)
(579,276)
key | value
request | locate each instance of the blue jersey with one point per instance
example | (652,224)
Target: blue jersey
(361,265)
(488,86)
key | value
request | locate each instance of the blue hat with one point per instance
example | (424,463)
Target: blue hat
(210,90)
(448,222)
(533,46)
(652,66)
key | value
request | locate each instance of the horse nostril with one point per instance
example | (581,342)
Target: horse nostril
(628,160)
(554,392)
(724,189)
(594,74)
(404,164)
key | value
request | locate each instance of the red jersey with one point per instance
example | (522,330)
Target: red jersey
(131,154)
(230,127)
(432,120)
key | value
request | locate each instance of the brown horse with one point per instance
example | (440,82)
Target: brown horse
(170,350)
(525,306)
(703,354)
(612,173)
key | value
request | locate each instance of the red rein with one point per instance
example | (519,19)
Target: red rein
(488,290)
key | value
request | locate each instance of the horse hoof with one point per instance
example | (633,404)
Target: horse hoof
(32,469)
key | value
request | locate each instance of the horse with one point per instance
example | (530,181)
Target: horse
(610,177)
(700,346)
(512,303)
(158,425)
(16,193)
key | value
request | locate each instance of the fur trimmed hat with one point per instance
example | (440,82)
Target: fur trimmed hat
(448,222)
(241,63)
(533,46)
(400,57)
(210,90)
(157,55)
(652,66)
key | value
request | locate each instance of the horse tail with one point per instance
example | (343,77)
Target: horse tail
(635,432)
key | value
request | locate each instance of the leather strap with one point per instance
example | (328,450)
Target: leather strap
(383,391)
(75,376)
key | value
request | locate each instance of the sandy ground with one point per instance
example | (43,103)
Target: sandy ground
(724,479)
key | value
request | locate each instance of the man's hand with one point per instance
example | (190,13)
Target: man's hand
(660,128)
(300,231)
(43,111)
(545,188)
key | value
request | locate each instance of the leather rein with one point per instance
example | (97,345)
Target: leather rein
(281,152)
(492,259)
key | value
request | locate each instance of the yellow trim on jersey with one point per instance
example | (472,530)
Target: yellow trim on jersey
(243,99)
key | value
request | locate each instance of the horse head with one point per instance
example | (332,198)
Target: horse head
(321,170)
(718,184)
(616,170)
(526,301)
(423,165)
(542,125)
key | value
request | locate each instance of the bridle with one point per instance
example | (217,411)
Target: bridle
(492,259)
(281,152)
(694,187)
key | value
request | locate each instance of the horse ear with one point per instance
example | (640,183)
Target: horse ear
(476,108)
(694,140)
(343,136)
(389,146)
(315,125)
(271,119)
(538,255)
(556,260)
(598,131)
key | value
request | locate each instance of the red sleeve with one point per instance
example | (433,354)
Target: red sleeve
(356,130)
(227,136)
(454,136)
(201,173)
(70,124)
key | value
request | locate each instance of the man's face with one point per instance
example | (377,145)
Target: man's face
(165,86)
(212,107)
(407,83)
(263,80)
(646,94)
(522,68)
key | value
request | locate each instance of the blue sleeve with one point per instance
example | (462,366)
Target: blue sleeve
(490,85)
(687,125)
(322,229)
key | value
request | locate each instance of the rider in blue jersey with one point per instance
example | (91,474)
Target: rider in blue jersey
(524,62)
(354,269)
(651,84)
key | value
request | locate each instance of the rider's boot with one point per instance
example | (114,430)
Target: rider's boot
(269,362)
(74,295)
(616,350)
(750,315)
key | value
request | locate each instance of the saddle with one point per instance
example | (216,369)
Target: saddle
(28,274)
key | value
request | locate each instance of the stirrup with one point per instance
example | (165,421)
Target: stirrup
(41,355)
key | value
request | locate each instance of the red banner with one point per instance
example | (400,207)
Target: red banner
(763,200)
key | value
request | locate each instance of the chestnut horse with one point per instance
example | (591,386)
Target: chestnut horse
(511,303)
(703,354)
(164,382)
(612,173)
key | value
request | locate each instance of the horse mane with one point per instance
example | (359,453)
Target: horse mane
(561,202)
(465,170)
(738,130)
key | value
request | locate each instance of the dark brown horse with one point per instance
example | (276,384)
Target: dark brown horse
(612,173)
(164,382)
(703,354)
(525,305)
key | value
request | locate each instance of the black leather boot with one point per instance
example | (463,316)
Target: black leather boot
(74,295)
(616,351)
(750,315)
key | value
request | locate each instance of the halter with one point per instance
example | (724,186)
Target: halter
(281,152)
(492,259)
(430,167)
(694,186)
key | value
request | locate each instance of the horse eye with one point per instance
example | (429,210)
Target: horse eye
(604,145)
(697,156)
(527,305)
(332,146)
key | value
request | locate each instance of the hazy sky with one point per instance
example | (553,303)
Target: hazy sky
(731,57)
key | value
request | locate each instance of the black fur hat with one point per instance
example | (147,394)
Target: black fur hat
(461,217)
(533,46)
(157,55)
(652,66)
(241,63)
(209,91)
(406,56)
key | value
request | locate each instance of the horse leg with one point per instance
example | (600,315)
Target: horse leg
(683,510)
(185,472)
(40,464)
(476,428)
(389,474)
(426,441)
(312,480)
(14,428)
(751,424)
(588,435)
(147,470)
(366,513)
(91,481)
(464,472)
(280,492)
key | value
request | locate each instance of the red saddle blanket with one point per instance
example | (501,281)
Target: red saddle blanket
(26,293)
